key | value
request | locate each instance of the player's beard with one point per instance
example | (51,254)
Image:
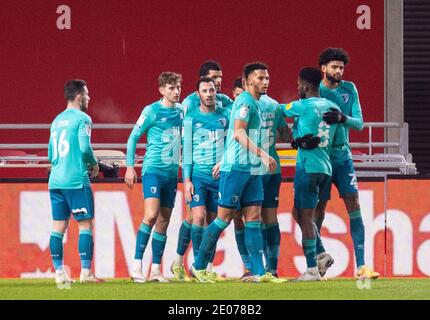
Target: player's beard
(333,79)
(83,106)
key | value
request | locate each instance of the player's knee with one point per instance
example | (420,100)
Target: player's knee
(199,218)
(352,202)
(60,226)
(238,223)
(149,220)
(85,224)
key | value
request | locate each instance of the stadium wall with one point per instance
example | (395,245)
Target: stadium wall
(121,47)
(25,213)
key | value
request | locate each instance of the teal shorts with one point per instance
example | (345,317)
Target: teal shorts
(205,192)
(344,178)
(240,189)
(79,202)
(160,187)
(308,188)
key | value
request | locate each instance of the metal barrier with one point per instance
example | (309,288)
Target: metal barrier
(367,165)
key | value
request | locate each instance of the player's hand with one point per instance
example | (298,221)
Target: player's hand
(334,116)
(307,142)
(269,162)
(94,171)
(189,190)
(130,177)
(215,170)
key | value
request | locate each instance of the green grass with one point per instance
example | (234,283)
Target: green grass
(381,289)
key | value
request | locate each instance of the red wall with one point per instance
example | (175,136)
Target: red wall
(120,47)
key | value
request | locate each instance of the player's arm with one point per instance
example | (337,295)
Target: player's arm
(226,101)
(293,110)
(50,150)
(243,139)
(142,125)
(187,159)
(84,138)
(284,132)
(353,121)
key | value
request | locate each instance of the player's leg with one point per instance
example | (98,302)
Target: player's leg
(60,215)
(271,231)
(251,201)
(306,192)
(212,208)
(81,201)
(346,182)
(184,239)
(230,192)
(239,232)
(158,243)
(167,202)
(152,194)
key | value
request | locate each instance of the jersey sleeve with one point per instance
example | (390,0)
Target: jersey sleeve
(355,120)
(226,101)
(84,136)
(187,148)
(142,125)
(243,112)
(339,138)
(293,109)
(280,117)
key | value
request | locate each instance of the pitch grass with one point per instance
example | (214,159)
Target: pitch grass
(118,289)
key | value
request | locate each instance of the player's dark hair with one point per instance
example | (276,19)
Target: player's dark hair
(312,76)
(237,83)
(251,67)
(72,88)
(168,78)
(207,66)
(205,80)
(333,54)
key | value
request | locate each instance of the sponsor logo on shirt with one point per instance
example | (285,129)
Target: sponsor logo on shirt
(223,122)
(163,119)
(198,125)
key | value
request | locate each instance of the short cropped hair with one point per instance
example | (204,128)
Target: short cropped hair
(237,83)
(168,78)
(205,80)
(333,54)
(312,76)
(72,88)
(251,67)
(207,66)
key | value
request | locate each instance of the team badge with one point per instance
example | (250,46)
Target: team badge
(243,113)
(153,190)
(345,97)
(88,129)
(196,198)
(235,199)
(140,121)
(223,122)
